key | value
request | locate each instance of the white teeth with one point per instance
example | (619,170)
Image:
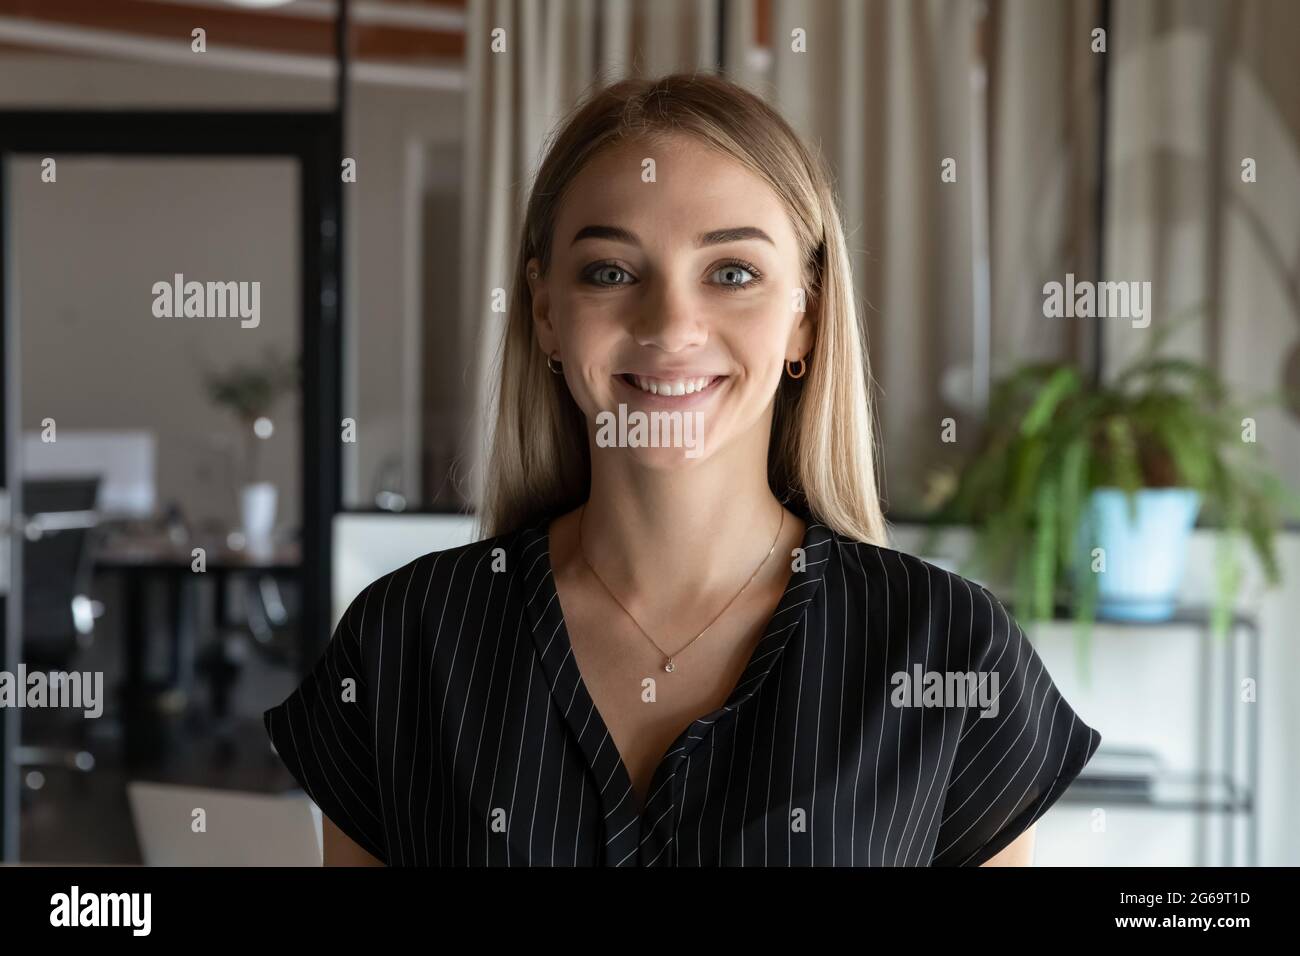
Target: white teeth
(683,386)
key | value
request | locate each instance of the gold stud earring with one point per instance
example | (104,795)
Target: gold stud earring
(789,368)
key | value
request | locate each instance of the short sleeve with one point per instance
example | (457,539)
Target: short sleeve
(1019,748)
(323,734)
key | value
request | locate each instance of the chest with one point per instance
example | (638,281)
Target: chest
(811,767)
(644,707)
(510,763)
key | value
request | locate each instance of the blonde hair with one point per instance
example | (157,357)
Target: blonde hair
(821,459)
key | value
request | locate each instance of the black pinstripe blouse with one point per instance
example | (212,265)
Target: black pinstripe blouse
(446,723)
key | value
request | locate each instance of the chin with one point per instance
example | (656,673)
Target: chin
(667,459)
(659,459)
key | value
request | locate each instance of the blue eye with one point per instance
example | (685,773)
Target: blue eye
(737,266)
(604,268)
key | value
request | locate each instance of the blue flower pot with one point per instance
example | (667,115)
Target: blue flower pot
(1145,558)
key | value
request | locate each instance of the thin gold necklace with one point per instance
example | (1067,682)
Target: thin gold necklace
(670,662)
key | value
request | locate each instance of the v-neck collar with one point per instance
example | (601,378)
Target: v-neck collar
(625,842)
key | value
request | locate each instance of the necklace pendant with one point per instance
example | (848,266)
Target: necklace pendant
(670,666)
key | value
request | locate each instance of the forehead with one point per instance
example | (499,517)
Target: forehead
(697,188)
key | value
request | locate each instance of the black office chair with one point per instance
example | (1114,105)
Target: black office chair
(59,516)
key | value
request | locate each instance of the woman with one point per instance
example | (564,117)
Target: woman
(687,644)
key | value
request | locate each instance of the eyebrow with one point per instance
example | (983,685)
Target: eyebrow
(716,237)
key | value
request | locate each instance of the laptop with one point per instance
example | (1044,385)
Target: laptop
(235,828)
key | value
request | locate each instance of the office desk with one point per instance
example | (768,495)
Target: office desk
(140,561)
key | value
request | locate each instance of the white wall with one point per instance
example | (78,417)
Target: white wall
(88,249)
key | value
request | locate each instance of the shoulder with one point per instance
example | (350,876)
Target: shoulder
(433,576)
(877,562)
(938,597)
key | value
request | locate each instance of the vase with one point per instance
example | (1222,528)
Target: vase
(1144,558)
(257,502)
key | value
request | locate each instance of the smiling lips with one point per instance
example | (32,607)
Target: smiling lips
(677,386)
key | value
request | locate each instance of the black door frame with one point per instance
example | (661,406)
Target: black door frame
(314,139)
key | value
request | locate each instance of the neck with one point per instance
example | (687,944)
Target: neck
(681,534)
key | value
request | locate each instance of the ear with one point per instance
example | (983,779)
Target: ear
(541,307)
(804,331)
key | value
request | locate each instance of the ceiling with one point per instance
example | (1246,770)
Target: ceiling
(404,41)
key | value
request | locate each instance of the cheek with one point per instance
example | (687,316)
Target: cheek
(761,347)
(584,334)
(588,344)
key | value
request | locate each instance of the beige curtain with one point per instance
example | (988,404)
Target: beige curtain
(951,274)
(1199,87)
(555,50)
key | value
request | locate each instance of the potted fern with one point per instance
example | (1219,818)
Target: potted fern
(1083,497)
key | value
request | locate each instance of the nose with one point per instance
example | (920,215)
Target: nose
(669,320)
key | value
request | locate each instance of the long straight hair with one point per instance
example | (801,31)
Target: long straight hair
(821,458)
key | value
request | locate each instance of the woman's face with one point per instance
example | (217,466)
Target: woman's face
(672,295)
